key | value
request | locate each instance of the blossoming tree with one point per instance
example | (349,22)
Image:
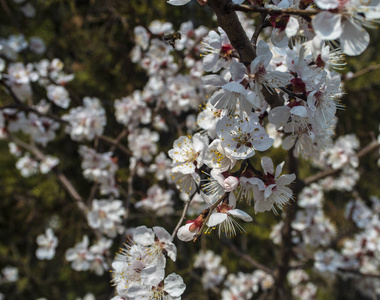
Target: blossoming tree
(214,146)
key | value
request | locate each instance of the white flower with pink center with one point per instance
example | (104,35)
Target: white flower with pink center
(275,192)
(218,51)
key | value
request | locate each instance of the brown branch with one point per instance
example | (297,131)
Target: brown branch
(273,11)
(246,257)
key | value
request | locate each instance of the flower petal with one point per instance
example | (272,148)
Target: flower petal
(354,39)
(327,25)
(178,2)
(216,218)
(240,214)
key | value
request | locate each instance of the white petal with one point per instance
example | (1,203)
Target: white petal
(263,144)
(279,115)
(162,234)
(327,25)
(214,80)
(174,285)
(217,175)
(288,142)
(232,200)
(327,4)
(234,87)
(267,164)
(299,111)
(216,218)
(184,234)
(263,205)
(238,70)
(292,27)
(178,2)
(143,236)
(240,214)
(152,275)
(209,61)
(279,169)
(355,39)
(230,183)
(286,179)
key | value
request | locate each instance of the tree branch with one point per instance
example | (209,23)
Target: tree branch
(273,11)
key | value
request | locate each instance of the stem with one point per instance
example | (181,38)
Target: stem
(247,257)
(184,212)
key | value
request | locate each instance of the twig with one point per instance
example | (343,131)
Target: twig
(22,107)
(258,29)
(116,141)
(184,212)
(273,11)
(247,257)
(116,144)
(366,70)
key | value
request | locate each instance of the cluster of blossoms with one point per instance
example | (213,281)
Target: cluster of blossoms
(232,123)
(358,258)
(158,201)
(244,286)
(8,275)
(107,216)
(213,272)
(86,122)
(341,155)
(83,258)
(139,268)
(302,288)
(101,168)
